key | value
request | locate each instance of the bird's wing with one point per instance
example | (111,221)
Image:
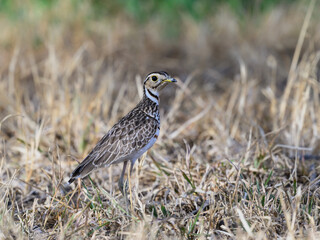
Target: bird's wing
(129,135)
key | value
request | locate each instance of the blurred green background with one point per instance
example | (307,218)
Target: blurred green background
(173,27)
(169,11)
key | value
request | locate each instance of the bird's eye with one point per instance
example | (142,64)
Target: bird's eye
(154,78)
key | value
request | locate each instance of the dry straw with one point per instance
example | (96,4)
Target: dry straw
(238,153)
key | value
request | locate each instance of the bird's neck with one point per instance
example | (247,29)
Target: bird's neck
(150,103)
(151,94)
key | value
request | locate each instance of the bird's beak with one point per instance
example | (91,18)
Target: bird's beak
(171,80)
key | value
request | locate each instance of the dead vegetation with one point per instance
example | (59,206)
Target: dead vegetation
(238,154)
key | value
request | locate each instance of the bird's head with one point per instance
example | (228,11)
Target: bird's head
(155,82)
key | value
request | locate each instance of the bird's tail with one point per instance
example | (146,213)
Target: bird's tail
(82,170)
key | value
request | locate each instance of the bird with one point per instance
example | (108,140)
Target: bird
(132,136)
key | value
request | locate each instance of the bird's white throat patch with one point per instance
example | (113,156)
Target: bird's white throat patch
(152,95)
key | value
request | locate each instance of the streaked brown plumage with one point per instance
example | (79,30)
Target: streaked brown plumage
(133,135)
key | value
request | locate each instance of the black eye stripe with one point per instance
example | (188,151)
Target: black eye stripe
(157,85)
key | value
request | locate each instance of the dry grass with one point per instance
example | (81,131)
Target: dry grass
(239,146)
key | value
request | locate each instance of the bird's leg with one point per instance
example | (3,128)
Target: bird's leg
(121,186)
(131,167)
(129,174)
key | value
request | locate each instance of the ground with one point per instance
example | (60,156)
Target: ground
(238,152)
